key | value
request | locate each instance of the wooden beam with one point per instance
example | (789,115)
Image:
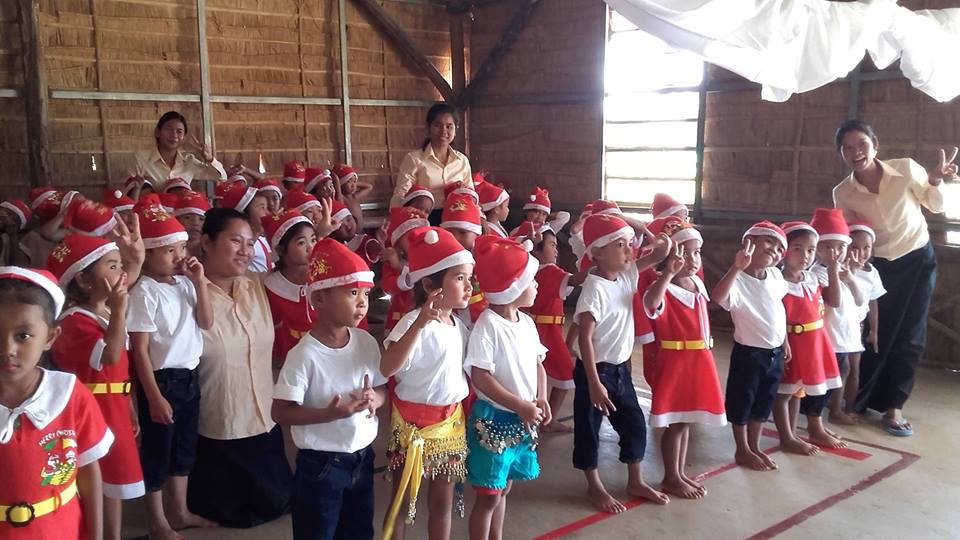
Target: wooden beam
(402,41)
(465,6)
(206,111)
(35,94)
(345,81)
(513,29)
(458,53)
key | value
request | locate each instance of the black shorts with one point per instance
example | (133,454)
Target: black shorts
(170,449)
(752,383)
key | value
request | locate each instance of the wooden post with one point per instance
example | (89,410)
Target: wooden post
(97,46)
(205,107)
(458,61)
(345,83)
(35,94)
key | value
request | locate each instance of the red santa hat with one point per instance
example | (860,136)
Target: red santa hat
(404,219)
(233,195)
(676,228)
(168,201)
(178,182)
(599,230)
(863,226)
(344,172)
(294,171)
(277,225)
(339,210)
(794,226)
(830,224)
(603,206)
(459,188)
(299,200)
(19,209)
(74,254)
(132,181)
(268,184)
(461,212)
(191,202)
(157,227)
(89,218)
(766,228)
(46,202)
(664,205)
(40,195)
(490,196)
(315,176)
(332,264)
(41,278)
(504,268)
(431,250)
(114,198)
(415,191)
(238,178)
(539,200)
(528,229)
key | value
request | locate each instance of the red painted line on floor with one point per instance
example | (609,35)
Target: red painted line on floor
(848,453)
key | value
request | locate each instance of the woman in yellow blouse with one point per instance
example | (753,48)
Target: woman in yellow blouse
(436,162)
(889,194)
(168,160)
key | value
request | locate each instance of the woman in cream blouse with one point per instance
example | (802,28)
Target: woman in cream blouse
(168,160)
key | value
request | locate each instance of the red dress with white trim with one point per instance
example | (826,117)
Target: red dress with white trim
(687,388)
(547,312)
(43,442)
(813,365)
(642,327)
(78,351)
(401,300)
(293,315)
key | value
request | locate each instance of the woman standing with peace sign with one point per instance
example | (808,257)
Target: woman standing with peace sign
(168,160)
(889,194)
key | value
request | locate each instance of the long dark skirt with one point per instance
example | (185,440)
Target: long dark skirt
(241,483)
(887,377)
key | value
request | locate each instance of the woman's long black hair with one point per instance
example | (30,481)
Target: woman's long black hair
(436,111)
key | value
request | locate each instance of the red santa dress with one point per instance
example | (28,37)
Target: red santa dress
(401,299)
(813,365)
(547,313)
(293,315)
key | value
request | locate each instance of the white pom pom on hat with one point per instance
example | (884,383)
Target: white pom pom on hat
(117,194)
(527,245)
(431,237)
(533,197)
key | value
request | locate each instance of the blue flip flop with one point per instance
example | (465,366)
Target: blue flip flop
(900,428)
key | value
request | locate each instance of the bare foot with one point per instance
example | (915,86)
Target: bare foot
(696,485)
(680,488)
(644,491)
(750,460)
(827,440)
(604,501)
(164,534)
(190,520)
(556,427)
(842,418)
(798,446)
(771,464)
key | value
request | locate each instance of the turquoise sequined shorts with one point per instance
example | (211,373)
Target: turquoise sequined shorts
(501,448)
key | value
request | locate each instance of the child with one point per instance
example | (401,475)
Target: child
(51,430)
(868,281)
(664,206)
(461,216)
(253,204)
(14,216)
(292,237)
(178,186)
(504,361)
(48,206)
(420,198)
(329,390)
(319,183)
(306,204)
(752,291)
(842,314)
(93,346)
(169,201)
(424,355)
(294,175)
(121,204)
(812,370)
(603,386)
(687,388)
(495,203)
(191,212)
(367,247)
(351,190)
(270,189)
(89,218)
(166,312)
(402,220)
(537,210)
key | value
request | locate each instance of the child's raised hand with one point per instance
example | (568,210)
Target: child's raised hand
(192,268)
(345,409)
(117,294)
(130,242)
(327,223)
(430,310)
(675,261)
(367,394)
(381,234)
(853,259)
(530,413)
(601,400)
(661,247)
(205,150)
(745,256)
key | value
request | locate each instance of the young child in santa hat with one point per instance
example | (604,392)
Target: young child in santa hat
(329,390)
(271,190)
(687,389)
(538,210)
(168,307)
(49,207)
(351,190)
(664,206)
(402,220)
(253,204)
(505,363)
(752,291)
(14,216)
(191,212)
(52,433)
(495,204)
(462,217)
(366,246)
(424,354)
(294,175)
(420,198)
(93,346)
(603,386)
(121,204)
(306,204)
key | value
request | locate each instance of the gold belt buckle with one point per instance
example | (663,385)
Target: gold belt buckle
(20,507)
(127,388)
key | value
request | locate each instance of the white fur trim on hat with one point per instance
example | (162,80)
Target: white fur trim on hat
(670,211)
(802,227)
(463,225)
(123,208)
(101,230)
(84,262)
(614,211)
(467,191)
(363,278)
(458,258)
(245,200)
(308,204)
(764,231)
(622,232)
(686,234)
(342,214)
(178,183)
(16,211)
(516,288)
(312,183)
(293,179)
(835,236)
(406,227)
(179,236)
(858,227)
(188,210)
(287,225)
(41,281)
(535,206)
(43,197)
(270,187)
(418,193)
(67,199)
(501,198)
(348,175)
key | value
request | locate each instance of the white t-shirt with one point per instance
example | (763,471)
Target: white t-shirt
(509,350)
(842,323)
(611,305)
(314,374)
(433,373)
(756,307)
(168,313)
(871,286)
(262,255)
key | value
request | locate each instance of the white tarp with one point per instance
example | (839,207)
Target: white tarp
(792,46)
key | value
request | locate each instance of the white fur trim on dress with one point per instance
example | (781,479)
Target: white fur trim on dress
(84,262)
(557,383)
(623,232)
(160,241)
(364,278)
(124,491)
(809,389)
(644,339)
(687,417)
(97,451)
(455,259)
(516,288)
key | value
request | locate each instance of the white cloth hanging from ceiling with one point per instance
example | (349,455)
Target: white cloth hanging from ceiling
(791,46)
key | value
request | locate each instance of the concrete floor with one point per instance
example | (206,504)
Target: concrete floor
(884,487)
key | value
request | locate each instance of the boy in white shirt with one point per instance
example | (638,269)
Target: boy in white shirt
(329,390)
(752,291)
(603,385)
(868,280)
